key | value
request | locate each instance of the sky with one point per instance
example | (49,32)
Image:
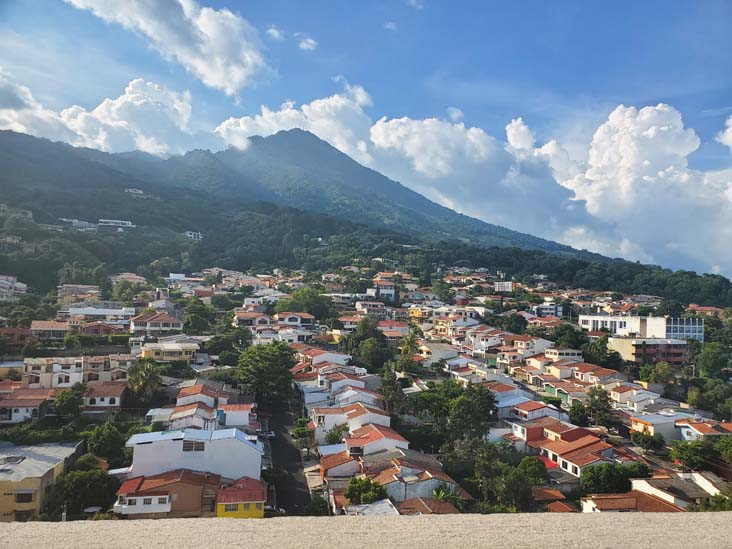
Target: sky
(605,126)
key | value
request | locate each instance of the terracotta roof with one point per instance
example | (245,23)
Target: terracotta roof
(145,484)
(334,460)
(371,433)
(190,409)
(244,490)
(426,506)
(49,325)
(237,407)
(561,507)
(105,388)
(544,493)
(530,406)
(632,501)
(206,390)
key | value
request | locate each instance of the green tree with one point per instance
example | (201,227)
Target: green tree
(599,407)
(649,443)
(364,490)
(410,346)
(610,478)
(512,488)
(691,454)
(372,354)
(335,435)
(87,462)
(106,441)
(69,403)
(307,300)
(443,292)
(597,352)
(578,414)
(711,360)
(144,379)
(196,324)
(266,370)
(78,490)
(391,390)
(72,341)
(534,469)
(724,448)
(567,337)
(516,324)
(472,413)
(316,507)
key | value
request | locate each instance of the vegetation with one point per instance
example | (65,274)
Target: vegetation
(608,478)
(265,369)
(364,490)
(143,379)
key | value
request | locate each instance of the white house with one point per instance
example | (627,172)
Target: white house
(227,452)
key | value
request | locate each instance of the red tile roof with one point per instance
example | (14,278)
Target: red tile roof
(244,490)
(186,476)
(427,506)
(105,388)
(206,390)
(334,460)
(371,433)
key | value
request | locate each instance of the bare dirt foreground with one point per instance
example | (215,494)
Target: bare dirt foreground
(611,530)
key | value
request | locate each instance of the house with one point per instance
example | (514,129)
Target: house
(703,429)
(245,498)
(300,320)
(15,336)
(25,404)
(350,394)
(662,423)
(103,397)
(354,416)
(533,409)
(171,494)
(241,416)
(155,323)
(47,373)
(427,506)
(170,351)
(633,501)
(339,464)
(27,473)
(681,489)
(379,508)
(372,438)
(246,319)
(49,330)
(226,452)
(371,308)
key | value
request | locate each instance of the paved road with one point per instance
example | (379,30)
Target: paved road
(293,495)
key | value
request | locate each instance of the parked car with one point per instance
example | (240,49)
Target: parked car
(268,434)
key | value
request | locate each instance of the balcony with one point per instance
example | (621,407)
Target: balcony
(139,509)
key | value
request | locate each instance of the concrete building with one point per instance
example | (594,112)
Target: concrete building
(640,351)
(645,326)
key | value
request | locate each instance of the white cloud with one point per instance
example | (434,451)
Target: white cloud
(146,117)
(275,34)
(339,119)
(519,135)
(218,46)
(308,44)
(391,26)
(455,114)
(725,136)
(416,4)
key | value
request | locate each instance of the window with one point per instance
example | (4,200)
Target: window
(112,400)
(92,401)
(231,507)
(24,498)
(132,501)
(247,506)
(101,399)
(258,506)
(121,500)
(162,501)
(193,446)
(147,501)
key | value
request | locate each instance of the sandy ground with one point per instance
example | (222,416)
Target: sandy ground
(608,530)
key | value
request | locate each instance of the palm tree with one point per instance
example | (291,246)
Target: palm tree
(144,379)
(447,493)
(409,345)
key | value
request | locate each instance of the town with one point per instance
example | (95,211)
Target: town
(361,390)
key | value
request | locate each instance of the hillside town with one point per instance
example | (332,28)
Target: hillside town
(365,390)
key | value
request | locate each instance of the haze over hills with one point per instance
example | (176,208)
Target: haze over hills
(291,168)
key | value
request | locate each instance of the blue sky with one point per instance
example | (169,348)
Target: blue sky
(561,67)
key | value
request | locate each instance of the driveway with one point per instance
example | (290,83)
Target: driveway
(293,495)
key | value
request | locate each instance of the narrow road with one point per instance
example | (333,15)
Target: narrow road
(293,495)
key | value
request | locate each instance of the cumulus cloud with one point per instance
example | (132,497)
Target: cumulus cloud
(391,26)
(218,46)
(339,119)
(275,34)
(146,117)
(454,114)
(519,136)
(725,136)
(308,44)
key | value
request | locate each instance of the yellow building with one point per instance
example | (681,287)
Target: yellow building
(245,498)
(170,352)
(26,472)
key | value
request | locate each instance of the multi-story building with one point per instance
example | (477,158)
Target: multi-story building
(170,351)
(155,323)
(10,288)
(26,473)
(640,351)
(645,326)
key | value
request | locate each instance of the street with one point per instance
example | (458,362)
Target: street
(292,494)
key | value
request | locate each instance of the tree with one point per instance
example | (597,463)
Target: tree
(307,300)
(87,462)
(196,324)
(711,360)
(316,507)
(144,379)
(4,347)
(534,469)
(443,292)
(724,448)
(372,354)
(410,345)
(578,414)
(649,443)
(69,403)
(304,439)
(77,490)
(599,407)
(72,341)
(364,490)
(516,324)
(106,441)
(266,370)
(662,374)
(512,488)
(567,337)
(449,494)
(597,352)
(611,478)
(472,413)
(335,435)
(691,454)
(391,389)
(671,308)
